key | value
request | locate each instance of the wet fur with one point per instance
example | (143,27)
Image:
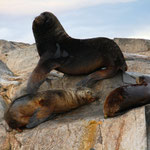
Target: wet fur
(127,97)
(32,109)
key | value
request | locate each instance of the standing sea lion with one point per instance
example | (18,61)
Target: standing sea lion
(99,56)
(32,109)
(127,97)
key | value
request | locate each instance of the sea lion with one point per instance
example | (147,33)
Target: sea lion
(101,57)
(30,110)
(127,97)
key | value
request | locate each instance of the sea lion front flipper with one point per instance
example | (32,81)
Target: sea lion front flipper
(39,74)
(40,115)
(91,79)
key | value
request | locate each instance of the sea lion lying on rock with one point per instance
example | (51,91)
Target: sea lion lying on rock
(32,109)
(127,97)
(101,57)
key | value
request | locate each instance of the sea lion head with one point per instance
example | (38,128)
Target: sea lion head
(11,120)
(15,115)
(112,103)
(46,24)
(87,93)
(45,20)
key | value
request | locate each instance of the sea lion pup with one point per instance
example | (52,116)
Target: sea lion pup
(57,50)
(30,110)
(127,97)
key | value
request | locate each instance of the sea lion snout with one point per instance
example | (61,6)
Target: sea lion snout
(91,95)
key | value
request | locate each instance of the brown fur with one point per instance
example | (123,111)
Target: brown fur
(126,97)
(71,56)
(33,109)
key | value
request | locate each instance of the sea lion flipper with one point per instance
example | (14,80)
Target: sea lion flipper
(39,74)
(40,115)
(91,79)
(34,121)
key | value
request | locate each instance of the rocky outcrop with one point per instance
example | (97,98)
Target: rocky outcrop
(81,128)
(133,45)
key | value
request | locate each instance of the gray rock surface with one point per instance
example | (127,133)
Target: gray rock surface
(3,133)
(6,46)
(79,129)
(4,70)
(133,45)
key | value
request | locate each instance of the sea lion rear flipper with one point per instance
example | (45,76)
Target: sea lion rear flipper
(39,74)
(39,116)
(91,79)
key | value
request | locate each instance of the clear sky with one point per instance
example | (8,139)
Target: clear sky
(80,18)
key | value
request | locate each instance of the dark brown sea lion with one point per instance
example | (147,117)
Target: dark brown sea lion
(127,97)
(32,109)
(99,56)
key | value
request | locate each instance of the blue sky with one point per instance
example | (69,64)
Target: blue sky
(80,18)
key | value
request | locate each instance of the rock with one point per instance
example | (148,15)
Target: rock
(3,133)
(147,113)
(7,81)
(124,132)
(142,61)
(133,45)
(85,134)
(25,54)
(26,60)
(3,107)
(138,48)
(4,138)
(4,70)
(6,46)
